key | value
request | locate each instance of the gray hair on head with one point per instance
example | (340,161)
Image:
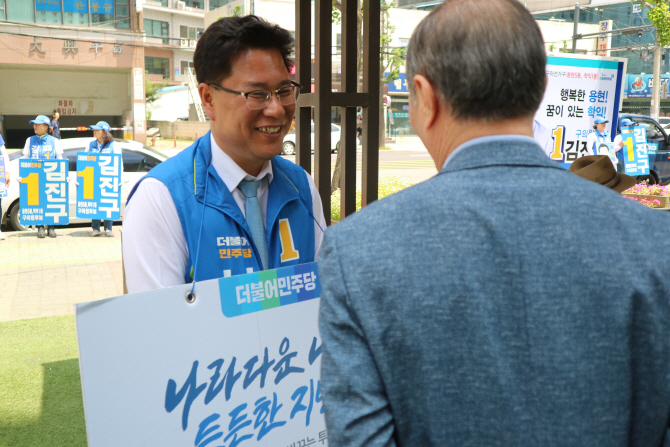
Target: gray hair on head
(485,57)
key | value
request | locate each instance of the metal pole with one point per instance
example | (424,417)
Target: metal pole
(574,31)
(655,90)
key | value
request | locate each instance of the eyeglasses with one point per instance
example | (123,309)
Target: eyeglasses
(260,99)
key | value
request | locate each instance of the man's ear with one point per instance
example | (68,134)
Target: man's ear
(207,98)
(427,101)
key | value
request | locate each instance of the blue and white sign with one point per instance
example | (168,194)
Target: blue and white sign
(75,6)
(635,155)
(47,5)
(640,86)
(606,148)
(399,85)
(652,147)
(102,7)
(238,366)
(579,89)
(3,176)
(43,192)
(99,190)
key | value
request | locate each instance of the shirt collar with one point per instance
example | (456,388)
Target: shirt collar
(485,140)
(230,172)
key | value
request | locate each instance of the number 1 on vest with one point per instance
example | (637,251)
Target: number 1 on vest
(288,251)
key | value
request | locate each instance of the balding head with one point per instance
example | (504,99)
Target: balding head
(486,58)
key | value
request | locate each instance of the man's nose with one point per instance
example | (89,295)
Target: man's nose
(275,108)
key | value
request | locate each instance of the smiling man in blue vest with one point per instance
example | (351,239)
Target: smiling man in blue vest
(228,204)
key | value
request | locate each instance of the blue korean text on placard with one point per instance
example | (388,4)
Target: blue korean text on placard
(99,189)
(652,147)
(225,384)
(245,294)
(3,189)
(44,192)
(635,155)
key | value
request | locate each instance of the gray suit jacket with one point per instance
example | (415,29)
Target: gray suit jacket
(504,302)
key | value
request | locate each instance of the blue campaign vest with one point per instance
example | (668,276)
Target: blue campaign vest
(600,138)
(93,146)
(42,147)
(289,198)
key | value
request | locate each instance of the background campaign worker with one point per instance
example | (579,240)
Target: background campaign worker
(599,135)
(103,144)
(42,145)
(5,157)
(55,125)
(228,204)
(480,307)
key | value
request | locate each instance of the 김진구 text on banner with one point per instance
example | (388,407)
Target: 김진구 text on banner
(99,190)
(240,365)
(579,90)
(44,192)
(635,154)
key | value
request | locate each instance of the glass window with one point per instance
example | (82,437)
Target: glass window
(185,65)
(75,12)
(200,4)
(164,3)
(338,43)
(20,11)
(157,65)
(102,13)
(156,28)
(2,10)
(122,14)
(189,32)
(131,161)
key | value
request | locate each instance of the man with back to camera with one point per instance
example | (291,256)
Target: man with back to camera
(489,307)
(261,211)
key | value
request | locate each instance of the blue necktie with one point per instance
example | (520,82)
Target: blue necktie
(255,219)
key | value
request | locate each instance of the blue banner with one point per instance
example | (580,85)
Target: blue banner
(47,5)
(640,86)
(99,189)
(635,155)
(399,85)
(102,7)
(75,6)
(3,190)
(44,192)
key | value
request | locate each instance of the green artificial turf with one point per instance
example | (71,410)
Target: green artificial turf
(40,388)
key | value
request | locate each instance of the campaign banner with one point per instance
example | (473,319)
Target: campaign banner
(652,147)
(237,364)
(99,190)
(579,89)
(44,192)
(635,154)
(3,176)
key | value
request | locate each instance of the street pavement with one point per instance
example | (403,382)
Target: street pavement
(47,277)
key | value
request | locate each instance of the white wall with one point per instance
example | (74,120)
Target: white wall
(31,91)
(170,106)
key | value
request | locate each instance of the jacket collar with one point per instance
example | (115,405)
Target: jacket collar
(281,190)
(499,152)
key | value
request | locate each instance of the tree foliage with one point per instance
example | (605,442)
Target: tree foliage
(659,16)
(151,93)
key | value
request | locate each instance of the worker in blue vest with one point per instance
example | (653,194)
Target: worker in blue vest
(42,145)
(228,204)
(598,135)
(104,144)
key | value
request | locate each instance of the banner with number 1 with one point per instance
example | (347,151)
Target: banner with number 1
(99,190)
(44,192)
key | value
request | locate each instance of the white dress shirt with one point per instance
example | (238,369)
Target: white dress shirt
(155,252)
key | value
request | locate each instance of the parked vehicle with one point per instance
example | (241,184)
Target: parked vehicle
(138,159)
(659,163)
(335,131)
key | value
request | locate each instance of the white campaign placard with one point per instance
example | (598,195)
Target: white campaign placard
(157,370)
(579,89)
